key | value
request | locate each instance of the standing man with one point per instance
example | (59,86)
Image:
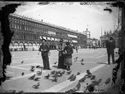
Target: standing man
(44,49)
(110,45)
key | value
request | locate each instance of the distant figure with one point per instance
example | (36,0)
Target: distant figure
(60,48)
(68,51)
(44,49)
(110,45)
(76,49)
(1,58)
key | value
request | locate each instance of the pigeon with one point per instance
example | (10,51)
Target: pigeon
(55,62)
(78,73)
(82,63)
(75,59)
(72,78)
(47,76)
(93,77)
(22,73)
(107,81)
(89,74)
(39,73)
(36,79)
(53,72)
(32,68)
(32,77)
(59,74)
(90,88)
(69,72)
(36,86)
(96,82)
(83,79)
(63,72)
(81,60)
(71,91)
(38,66)
(22,62)
(55,79)
(78,86)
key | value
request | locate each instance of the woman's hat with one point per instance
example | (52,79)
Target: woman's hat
(61,40)
(67,43)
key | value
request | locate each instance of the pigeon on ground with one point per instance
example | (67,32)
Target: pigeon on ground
(82,60)
(36,79)
(63,72)
(55,79)
(96,82)
(22,73)
(93,77)
(78,86)
(71,91)
(55,62)
(22,62)
(32,77)
(38,66)
(107,81)
(59,74)
(89,74)
(39,73)
(90,88)
(78,73)
(36,86)
(75,59)
(72,77)
(47,76)
(69,72)
(32,68)
(53,72)
(83,79)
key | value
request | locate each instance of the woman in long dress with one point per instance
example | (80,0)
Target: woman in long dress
(61,55)
(68,51)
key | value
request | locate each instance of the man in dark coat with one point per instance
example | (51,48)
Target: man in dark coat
(110,45)
(44,49)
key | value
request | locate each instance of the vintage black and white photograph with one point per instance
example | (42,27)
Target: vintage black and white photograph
(67,47)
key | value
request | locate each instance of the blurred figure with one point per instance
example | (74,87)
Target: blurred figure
(60,48)
(1,56)
(76,49)
(44,49)
(110,45)
(68,51)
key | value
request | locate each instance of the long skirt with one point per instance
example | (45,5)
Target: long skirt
(68,61)
(61,62)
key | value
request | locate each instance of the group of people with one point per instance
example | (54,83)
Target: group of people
(65,54)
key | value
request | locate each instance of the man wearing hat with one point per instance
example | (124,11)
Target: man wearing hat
(44,49)
(110,45)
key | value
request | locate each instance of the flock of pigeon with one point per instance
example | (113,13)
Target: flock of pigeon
(54,75)
(89,87)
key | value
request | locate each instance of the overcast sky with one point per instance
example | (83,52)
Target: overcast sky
(73,16)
